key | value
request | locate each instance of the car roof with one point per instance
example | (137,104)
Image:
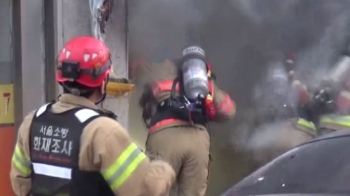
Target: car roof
(308,168)
(333,135)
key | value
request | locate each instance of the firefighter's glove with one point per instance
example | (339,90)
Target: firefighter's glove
(323,100)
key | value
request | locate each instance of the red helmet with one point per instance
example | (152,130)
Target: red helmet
(84,60)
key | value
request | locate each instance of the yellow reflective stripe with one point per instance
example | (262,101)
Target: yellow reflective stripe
(307,124)
(129,170)
(124,166)
(20,162)
(337,120)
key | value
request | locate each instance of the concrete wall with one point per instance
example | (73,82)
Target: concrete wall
(32,55)
(76,22)
(5,42)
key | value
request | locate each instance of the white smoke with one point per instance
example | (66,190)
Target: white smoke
(312,61)
(239,36)
(316,61)
(260,11)
(271,94)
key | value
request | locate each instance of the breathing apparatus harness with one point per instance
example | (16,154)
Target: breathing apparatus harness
(198,111)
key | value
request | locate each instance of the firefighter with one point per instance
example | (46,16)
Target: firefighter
(303,124)
(300,127)
(281,115)
(71,147)
(178,101)
(333,98)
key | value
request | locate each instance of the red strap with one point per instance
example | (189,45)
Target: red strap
(161,124)
(163,86)
(209,67)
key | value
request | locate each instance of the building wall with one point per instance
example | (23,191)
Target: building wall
(6,94)
(76,22)
(27,61)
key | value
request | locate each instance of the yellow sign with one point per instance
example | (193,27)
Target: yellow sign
(7,114)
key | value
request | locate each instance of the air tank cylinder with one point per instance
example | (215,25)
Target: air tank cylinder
(195,73)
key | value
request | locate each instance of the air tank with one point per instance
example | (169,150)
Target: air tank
(194,69)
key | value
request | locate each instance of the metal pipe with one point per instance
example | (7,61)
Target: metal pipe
(127,36)
(17,61)
(49,43)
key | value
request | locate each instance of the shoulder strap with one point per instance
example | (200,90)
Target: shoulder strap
(43,109)
(85,114)
(173,87)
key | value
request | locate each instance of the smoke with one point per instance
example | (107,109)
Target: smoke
(163,25)
(242,39)
(315,62)
(273,102)
(316,32)
(260,11)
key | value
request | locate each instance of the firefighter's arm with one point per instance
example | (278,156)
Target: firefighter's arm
(225,106)
(20,164)
(127,169)
(301,91)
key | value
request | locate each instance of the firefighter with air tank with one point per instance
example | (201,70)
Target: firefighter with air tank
(180,98)
(329,105)
(279,110)
(332,99)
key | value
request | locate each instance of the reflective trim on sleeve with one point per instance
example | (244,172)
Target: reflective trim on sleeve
(336,120)
(163,86)
(20,161)
(124,166)
(162,123)
(226,106)
(306,124)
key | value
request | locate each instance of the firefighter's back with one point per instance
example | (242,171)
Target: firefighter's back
(186,148)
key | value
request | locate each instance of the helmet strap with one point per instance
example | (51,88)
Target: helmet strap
(105,92)
(101,99)
(74,91)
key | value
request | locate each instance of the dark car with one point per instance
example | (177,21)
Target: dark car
(319,167)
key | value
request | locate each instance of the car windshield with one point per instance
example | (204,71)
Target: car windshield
(321,166)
